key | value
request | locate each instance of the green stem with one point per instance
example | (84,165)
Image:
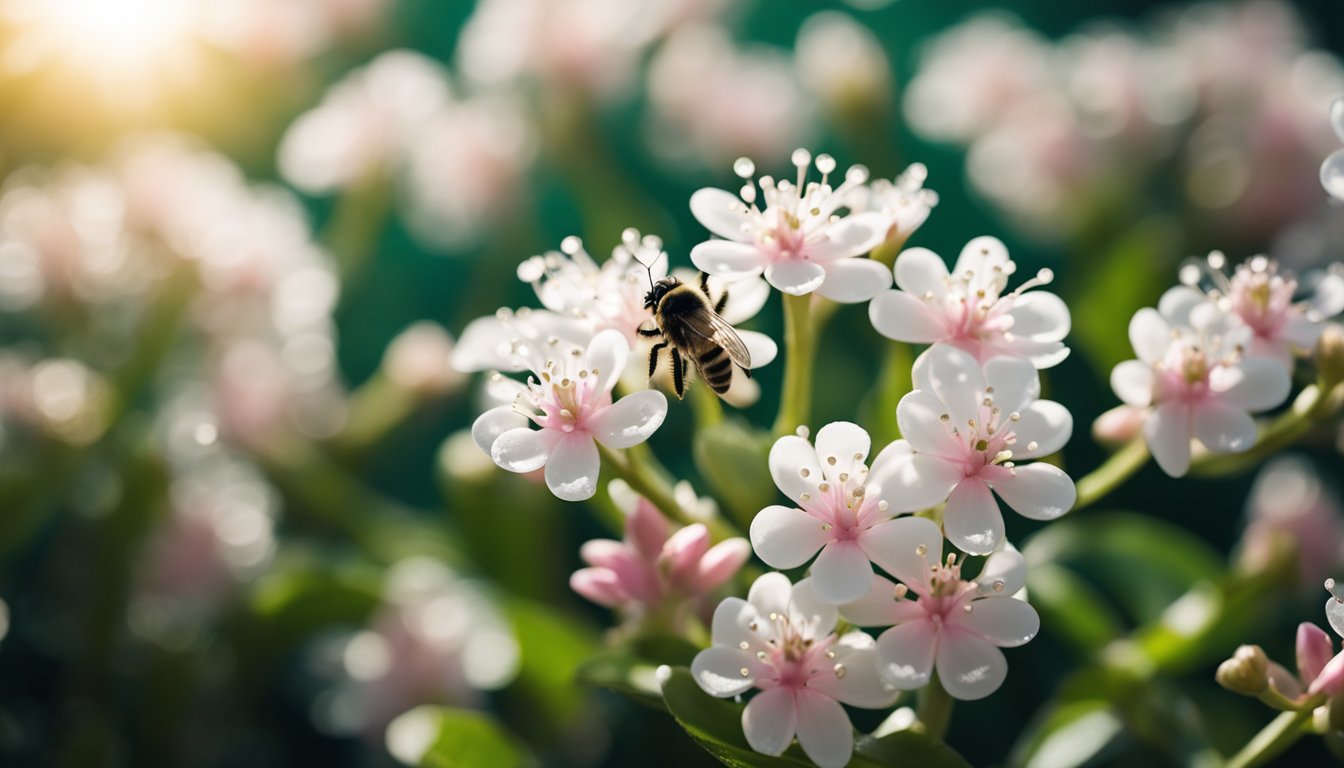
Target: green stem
(935,709)
(1121,466)
(358,221)
(638,468)
(706,406)
(795,403)
(1273,739)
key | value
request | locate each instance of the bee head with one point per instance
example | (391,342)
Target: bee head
(658,291)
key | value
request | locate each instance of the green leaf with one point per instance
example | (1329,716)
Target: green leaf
(1071,607)
(470,739)
(633,671)
(554,647)
(734,460)
(1069,735)
(716,725)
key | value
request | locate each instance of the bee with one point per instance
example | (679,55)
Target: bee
(688,322)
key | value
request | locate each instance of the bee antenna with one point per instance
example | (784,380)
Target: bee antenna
(648,267)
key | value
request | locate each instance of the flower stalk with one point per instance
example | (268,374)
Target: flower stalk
(795,403)
(934,709)
(1274,738)
(1122,465)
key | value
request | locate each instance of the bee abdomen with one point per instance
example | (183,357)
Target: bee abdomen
(717,369)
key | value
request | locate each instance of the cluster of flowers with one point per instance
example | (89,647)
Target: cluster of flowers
(1223,94)
(972,419)
(1214,351)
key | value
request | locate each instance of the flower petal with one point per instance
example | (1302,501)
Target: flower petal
(1337,117)
(807,609)
(880,606)
(849,281)
(843,447)
(920,271)
(785,537)
(905,654)
(1254,384)
(1045,423)
(895,546)
(521,450)
(571,470)
(725,257)
(770,593)
(860,685)
(1133,381)
(1015,381)
(841,573)
(980,256)
(1314,649)
(1039,491)
(718,671)
(746,298)
(1002,621)
(1178,304)
(969,667)
(490,425)
(795,467)
(851,236)
(1332,174)
(606,356)
(972,519)
(630,420)
(1223,428)
(721,212)
(824,731)
(912,481)
(919,414)
(770,721)
(1150,335)
(1167,432)
(721,562)
(731,625)
(762,348)
(1041,315)
(901,316)
(1007,569)
(956,379)
(795,277)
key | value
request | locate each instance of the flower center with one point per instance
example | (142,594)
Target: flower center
(988,439)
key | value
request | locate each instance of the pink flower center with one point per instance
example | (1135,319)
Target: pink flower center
(794,658)
(843,506)
(1262,298)
(1184,375)
(986,442)
(563,401)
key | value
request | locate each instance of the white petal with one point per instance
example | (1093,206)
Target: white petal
(920,271)
(1332,174)
(861,686)
(1167,432)
(969,668)
(732,622)
(795,467)
(762,348)
(482,346)
(896,546)
(606,355)
(746,298)
(770,720)
(1223,428)
(807,609)
(571,470)
(1254,384)
(880,607)
(493,423)
(1299,332)
(956,379)
(841,573)
(901,316)
(521,450)
(905,654)
(1039,491)
(972,519)
(851,236)
(919,414)
(1337,117)
(1150,335)
(1132,381)
(721,212)
(1045,423)
(1178,304)
(630,420)
(824,731)
(843,447)
(1041,315)
(795,277)
(1015,381)
(912,482)
(980,256)
(1002,621)
(770,593)
(785,537)
(727,257)
(849,281)
(1006,566)
(718,670)
(1328,297)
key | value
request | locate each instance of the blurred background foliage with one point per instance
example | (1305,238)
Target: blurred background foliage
(93,674)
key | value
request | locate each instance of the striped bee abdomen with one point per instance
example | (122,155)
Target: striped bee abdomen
(715,368)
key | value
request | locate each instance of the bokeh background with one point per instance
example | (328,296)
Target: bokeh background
(229,472)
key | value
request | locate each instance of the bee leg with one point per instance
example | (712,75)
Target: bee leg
(678,374)
(649,332)
(653,357)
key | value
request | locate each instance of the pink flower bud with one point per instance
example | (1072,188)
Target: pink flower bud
(1118,425)
(682,553)
(599,585)
(1331,679)
(721,562)
(1314,650)
(646,529)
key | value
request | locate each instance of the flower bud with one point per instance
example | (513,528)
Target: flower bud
(418,361)
(1329,357)
(1247,672)
(1118,425)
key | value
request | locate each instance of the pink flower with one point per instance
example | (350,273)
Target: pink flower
(843,508)
(570,400)
(780,641)
(953,625)
(654,566)
(1289,504)
(968,308)
(798,240)
(1195,379)
(966,429)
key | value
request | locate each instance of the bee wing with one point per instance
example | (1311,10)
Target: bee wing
(721,333)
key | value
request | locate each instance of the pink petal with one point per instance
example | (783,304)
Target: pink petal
(797,278)
(1039,491)
(905,654)
(785,537)
(1167,432)
(721,562)
(725,257)
(681,555)
(770,721)
(841,572)
(896,547)
(1003,621)
(824,731)
(1314,650)
(630,420)
(646,529)
(850,281)
(602,553)
(920,271)
(969,667)
(571,470)
(1331,679)
(972,519)
(721,212)
(600,586)
(901,316)
(718,671)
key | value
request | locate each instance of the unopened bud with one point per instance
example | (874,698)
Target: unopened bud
(1247,672)
(1329,357)
(1119,425)
(418,360)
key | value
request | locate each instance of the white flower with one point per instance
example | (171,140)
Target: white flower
(1332,170)
(797,240)
(966,428)
(843,64)
(843,510)
(780,641)
(1193,375)
(968,308)
(1261,297)
(493,342)
(903,199)
(954,625)
(570,400)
